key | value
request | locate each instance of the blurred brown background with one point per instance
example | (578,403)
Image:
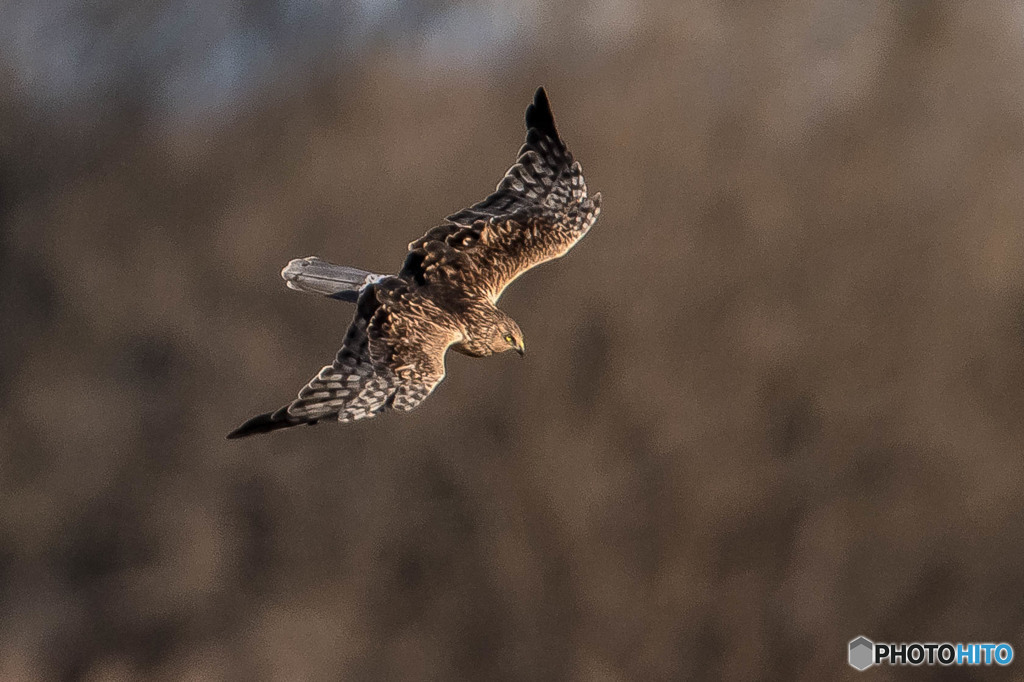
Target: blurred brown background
(772,402)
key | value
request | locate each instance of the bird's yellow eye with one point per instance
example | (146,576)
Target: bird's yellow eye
(510,340)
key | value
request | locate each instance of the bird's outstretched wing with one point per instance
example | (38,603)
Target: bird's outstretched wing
(392,358)
(538,212)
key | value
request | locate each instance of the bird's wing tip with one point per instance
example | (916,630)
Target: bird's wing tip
(538,114)
(261,423)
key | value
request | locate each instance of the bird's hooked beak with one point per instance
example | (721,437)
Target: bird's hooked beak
(521,349)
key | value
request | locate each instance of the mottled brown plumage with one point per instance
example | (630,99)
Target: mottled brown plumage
(445,294)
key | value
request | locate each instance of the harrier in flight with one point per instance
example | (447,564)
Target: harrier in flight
(445,294)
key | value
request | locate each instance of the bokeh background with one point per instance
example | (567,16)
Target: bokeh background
(772,402)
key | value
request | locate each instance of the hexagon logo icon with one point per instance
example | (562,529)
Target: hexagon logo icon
(862,653)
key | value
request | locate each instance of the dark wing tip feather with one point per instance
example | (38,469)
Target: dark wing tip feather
(262,423)
(539,116)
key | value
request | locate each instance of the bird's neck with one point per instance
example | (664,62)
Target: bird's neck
(479,319)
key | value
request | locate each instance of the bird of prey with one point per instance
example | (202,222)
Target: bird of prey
(445,294)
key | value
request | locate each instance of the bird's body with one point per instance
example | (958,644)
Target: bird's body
(446,292)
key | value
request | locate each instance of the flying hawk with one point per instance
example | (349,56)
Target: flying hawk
(445,294)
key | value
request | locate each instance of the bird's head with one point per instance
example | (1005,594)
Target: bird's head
(495,333)
(508,337)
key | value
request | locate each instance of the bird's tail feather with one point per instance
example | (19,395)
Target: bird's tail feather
(317,276)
